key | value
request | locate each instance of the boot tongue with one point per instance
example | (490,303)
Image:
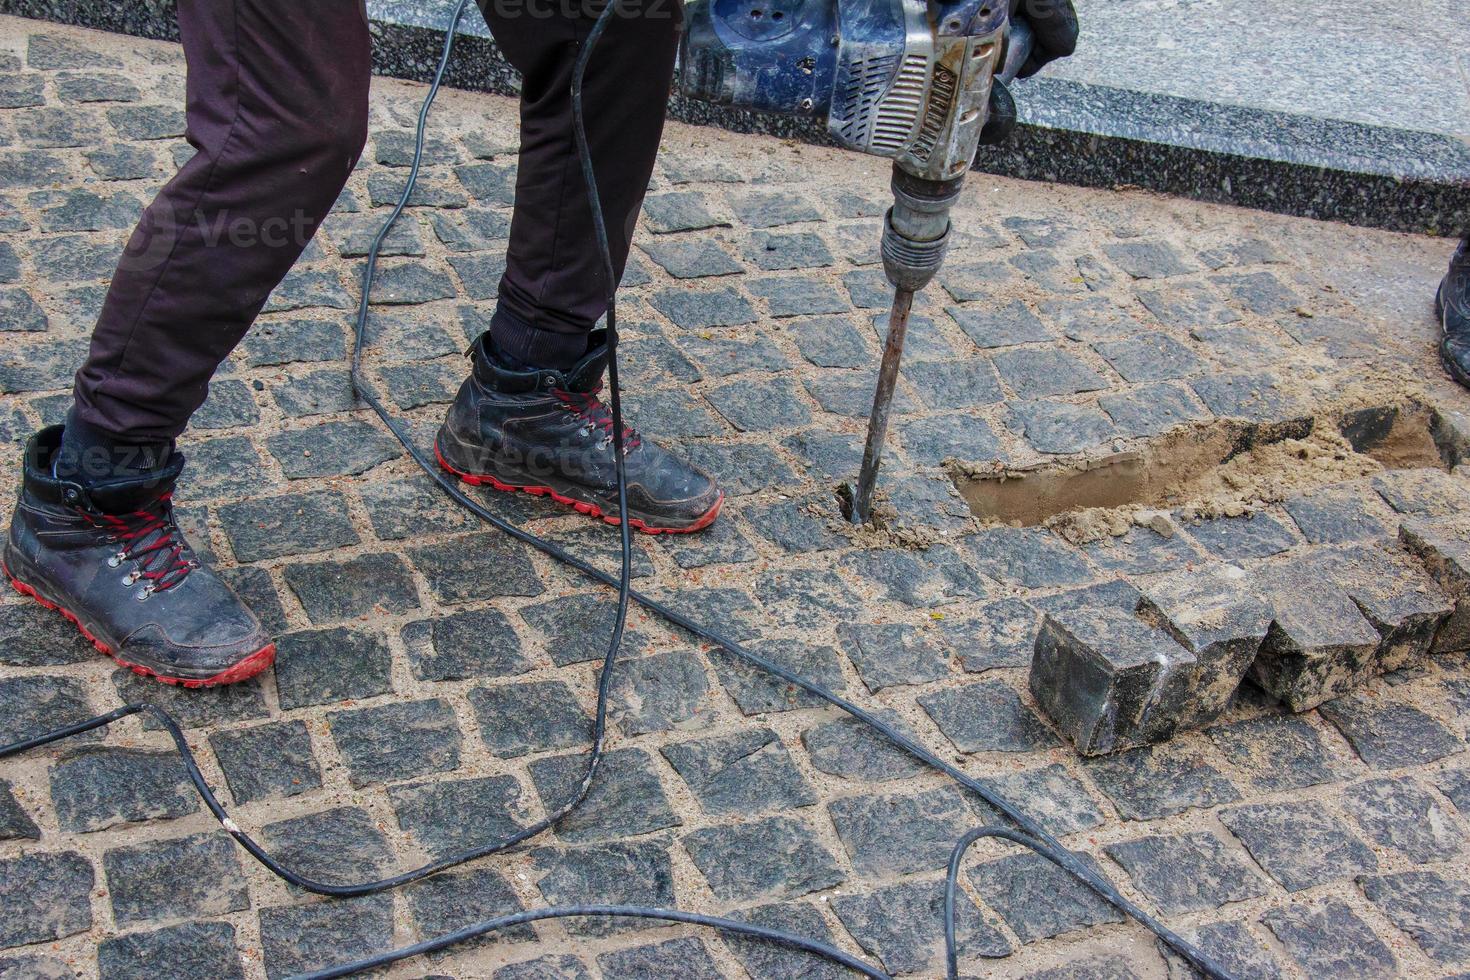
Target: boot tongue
(586,375)
(124,495)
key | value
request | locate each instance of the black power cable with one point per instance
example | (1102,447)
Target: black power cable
(1031,836)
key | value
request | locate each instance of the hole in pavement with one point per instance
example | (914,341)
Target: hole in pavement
(1214,465)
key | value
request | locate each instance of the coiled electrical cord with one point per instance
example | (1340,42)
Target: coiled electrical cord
(1031,834)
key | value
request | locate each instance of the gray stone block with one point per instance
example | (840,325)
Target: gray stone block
(987,716)
(44,897)
(901,833)
(1326,939)
(1161,780)
(192,951)
(338,845)
(1230,944)
(778,857)
(300,938)
(457,899)
(96,788)
(1299,844)
(1390,734)
(1444,549)
(687,958)
(459,814)
(1396,595)
(902,925)
(625,799)
(1432,909)
(187,877)
(1192,872)
(1401,814)
(396,741)
(620,873)
(747,772)
(1039,900)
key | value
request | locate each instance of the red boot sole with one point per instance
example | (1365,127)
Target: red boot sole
(244,670)
(582,507)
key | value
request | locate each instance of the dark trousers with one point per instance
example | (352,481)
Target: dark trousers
(277,110)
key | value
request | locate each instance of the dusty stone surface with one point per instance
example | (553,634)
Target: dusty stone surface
(753,341)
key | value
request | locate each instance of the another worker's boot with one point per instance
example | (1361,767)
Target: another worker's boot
(546,432)
(1452,305)
(109,557)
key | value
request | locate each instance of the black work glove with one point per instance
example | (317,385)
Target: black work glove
(1053,26)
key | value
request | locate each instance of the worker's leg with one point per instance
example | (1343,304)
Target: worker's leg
(1453,306)
(277,109)
(529,417)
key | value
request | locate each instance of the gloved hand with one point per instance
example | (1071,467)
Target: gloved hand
(1053,26)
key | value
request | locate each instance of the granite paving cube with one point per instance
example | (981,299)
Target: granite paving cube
(1253,397)
(354,588)
(1319,645)
(619,873)
(788,250)
(735,352)
(1390,734)
(1149,410)
(850,393)
(1444,550)
(515,719)
(575,628)
(34,637)
(936,577)
(692,258)
(326,666)
(1186,305)
(343,844)
(290,341)
(459,646)
(768,209)
(491,183)
(51,52)
(768,961)
(96,788)
(1141,551)
(1161,780)
(396,741)
(1037,372)
(44,897)
(756,691)
(1393,592)
(1149,259)
(699,310)
(1109,681)
(626,798)
(1003,325)
(457,570)
(678,211)
(1032,558)
(1432,909)
(987,716)
(746,772)
(457,899)
(1056,427)
(1232,945)
(686,957)
(869,289)
(471,230)
(332,449)
(830,342)
(456,815)
(1052,795)
(1039,900)
(1402,815)
(15,823)
(300,938)
(1340,515)
(272,760)
(1299,844)
(853,750)
(930,441)
(1192,872)
(798,296)
(903,926)
(659,693)
(545,968)
(20,313)
(1326,939)
(192,951)
(892,654)
(33,704)
(800,597)
(1149,357)
(901,833)
(1279,753)
(997,634)
(778,857)
(186,877)
(1257,535)
(796,526)
(324,392)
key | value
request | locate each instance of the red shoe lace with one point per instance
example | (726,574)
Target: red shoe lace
(152,538)
(590,409)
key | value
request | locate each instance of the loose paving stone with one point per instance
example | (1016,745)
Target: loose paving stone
(1395,595)
(619,873)
(625,799)
(1187,305)
(1055,427)
(1141,551)
(892,654)
(121,161)
(767,961)
(1340,515)
(987,716)
(1149,410)
(1390,734)
(926,338)
(1455,783)
(82,210)
(1039,900)
(1424,492)
(1258,292)
(685,957)
(955,384)
(97,788)
(773,251)
(1299,843)
(430,191)
(230,405)
(1444,550)
(396,741)
(1278,753)
(679,211)
(760,406)
(573,628)
(654,361)
(186,877)
(1149,357)
(345,448)
(931,441)
(794,526)
(1051,795)
(901,833)
(416,385)
(459,646)
(1432,909)
(305,288)
(470,230)
(1326,939)
(1032,558)
(274,760)
(692,258)
(34,637)
(457,815)
(798,296)
(456,570)
(1110,681)
(976,281)
(1004,325)
(998,634)
(1230,944)
(448,902)
(700,310)
(1112,594)
(147,122)
(1402,815)
(1319,645)
(749,771)
(902,925)
(192,708)
(1040,232)
(660,693)
(368,585)
(1258,535)
(480,273)
(192,951)
(851,749)
(756,691)
(1192,872)
(674,413)
(1046,272)
(46,897)
(515,719)
(343,844)
(491,183)
(545,968)
(778,857)
(327,666)
(302,938)
(15,823)
(1154,782)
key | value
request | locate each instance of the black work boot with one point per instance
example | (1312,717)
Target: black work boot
(1452,306)
(546,432)
(109,557)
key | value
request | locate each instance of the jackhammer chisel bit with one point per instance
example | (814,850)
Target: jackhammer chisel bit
(906,79)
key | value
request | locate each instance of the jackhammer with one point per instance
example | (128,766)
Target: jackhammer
(921,82)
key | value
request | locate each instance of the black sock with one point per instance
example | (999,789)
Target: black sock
(89,455)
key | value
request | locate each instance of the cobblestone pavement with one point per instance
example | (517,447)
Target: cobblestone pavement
(435,680)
